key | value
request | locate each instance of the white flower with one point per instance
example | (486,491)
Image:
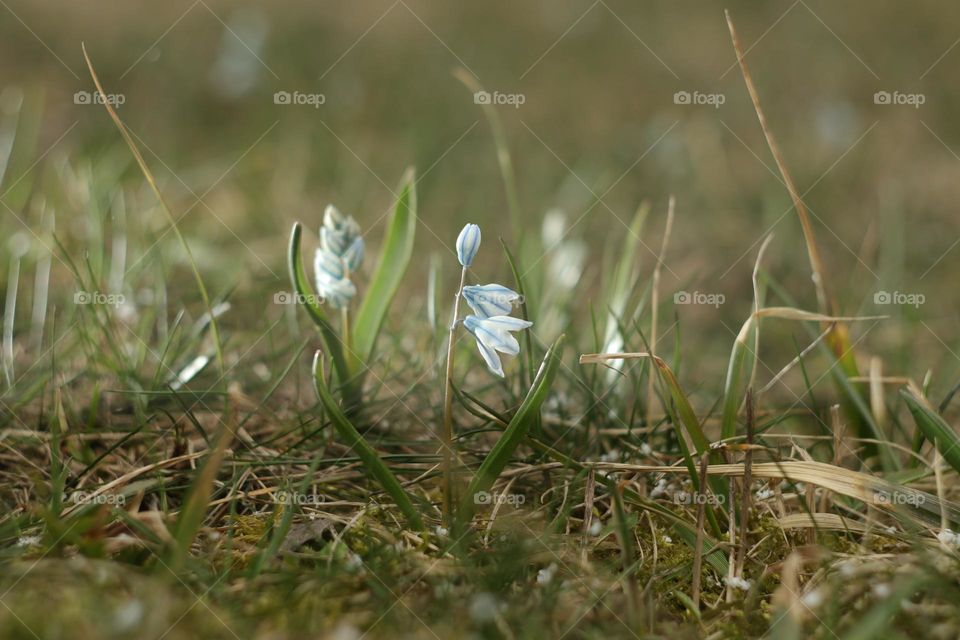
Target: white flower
(493,335)
(661,489)
(738,583)
(468,243)
(490,299)
(812,599)
(881,590)
(442,531)
(554,227)
(545,576)
(764,493)
(340,254)
(948,538)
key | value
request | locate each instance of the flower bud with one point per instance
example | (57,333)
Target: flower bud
(468,242)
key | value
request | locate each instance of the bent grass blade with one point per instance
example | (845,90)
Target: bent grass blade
(375,467)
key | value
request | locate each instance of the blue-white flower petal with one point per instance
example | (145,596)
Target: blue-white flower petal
(506,323)
(492,336)
(332,218)
(468,243)
(354,254)
(337,293)
(327,266)
(490,299)
(333,241)
(491,358)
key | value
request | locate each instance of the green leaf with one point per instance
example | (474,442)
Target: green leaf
(527,336)
(307,297)
(516,431)
(374,466)
(394,258)
(735,386)
(934,428)
(194,510)
(19,132)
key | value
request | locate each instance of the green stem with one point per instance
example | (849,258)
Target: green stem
(446,437)
(345,327)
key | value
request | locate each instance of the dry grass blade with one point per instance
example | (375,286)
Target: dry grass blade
(654,300)
(698,547)
(813,251)
(791,313)
(148,175)
(866,488)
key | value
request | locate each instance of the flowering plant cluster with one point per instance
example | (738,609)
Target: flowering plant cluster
(490,324)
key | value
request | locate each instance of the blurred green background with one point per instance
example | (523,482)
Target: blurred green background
(599,131)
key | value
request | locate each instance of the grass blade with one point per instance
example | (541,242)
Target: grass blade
(934,428)
(515,432)
(374,465)
(191,516)
(524,313)
(735,387)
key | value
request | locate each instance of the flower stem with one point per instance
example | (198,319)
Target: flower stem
(446,437)
(345,329)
